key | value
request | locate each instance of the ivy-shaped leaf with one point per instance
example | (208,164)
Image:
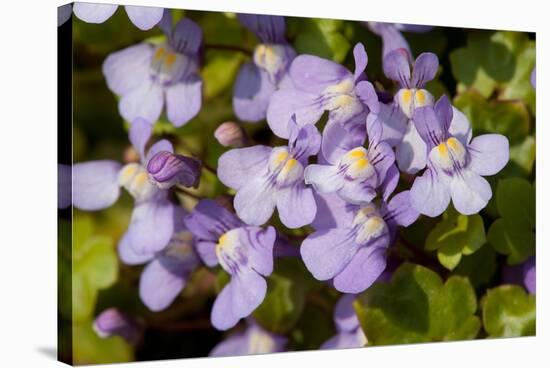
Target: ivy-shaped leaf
(416,306)
(456,235)
(513,234)
(323,37)
(508,311)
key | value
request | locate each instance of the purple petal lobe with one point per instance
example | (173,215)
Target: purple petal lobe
(161,146)
(344,314)
(260,248)
(304,141)
(207,252)
(346,340)
(145,101)
(367,94)
(429,194)
(470,192)
(140,132)
(337,141)
(237,167)
(95,184)
(64,13)
(361,60)
(94,13)
(167,169)
(184,101)
(314,74)
(151,226)
(432,130)
(390,182)
(144,17)
(251,94)
(209,221)
(269,28)
(411,153)
(460,127)
(393,122)
(424,70)
(363,270)
(127,69)
(392,39)
(489,153)
(324,178)
(397,68)
(187,37)
(400,211)
(296,206)
(255,202)
(128,255)
(332,211)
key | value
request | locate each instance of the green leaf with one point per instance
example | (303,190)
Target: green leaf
(89,348)
(456,235)
(314,327)
(517,242)
(516,201)
(479,267)
(285,299)
(84,298)
(522,158)
(509,312)
(509,118)
(417,307)
(324,38)
(220,71)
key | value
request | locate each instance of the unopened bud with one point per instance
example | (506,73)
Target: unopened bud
(167,169)
(230,134)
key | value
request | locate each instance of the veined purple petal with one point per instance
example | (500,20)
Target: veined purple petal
(128,69)
(128,255)
(444,111)
(296,206)
(207,252)
(252,92)
(167,169)
(260,247)
(304,141)
(332,212)
(184,101)
(361,61)
(432,130)
(163,145)
(269,28)
(237,167)
(314,74)
(429,194)
(209,220)
(390,182)
(186,37)
(382,157)
(238,299)
(95,184)
(364,268)
(139,134)
(366,93)
(393,122)
(327,252)
(337,141)
(460,127)
(287,102)
(470,192)
(489,153)
(399,210)
(256,201)
(94,13)
(357,192)
(392,39)
(324,178)
(397,67)
(411,154)
(424,69)
(145,101)
(144,17)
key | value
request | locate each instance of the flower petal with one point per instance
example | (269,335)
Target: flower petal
(367,94)
(332,211)
(429,194)
(251,94)
(94,13)
(183,101)
(260,247)
(397,67)
(428,124)
(186,37)
(207,252)
(327,252)
(390,182)
(382,157)
(424,69)
(362,271)
(358,192)
(399,210)
(162,145)
(237,167)
(337,141)
(470,192)
(95,184)
(139,134)
(235,345)
(127,69)
(209,221)
(344,314)
(460,127)
(144,17)
(296,206)
(161,282)
(361,60)
(269,28)
(255,202)
(393,122)
(238,299)
(392,39)
(411,154)
(489,153)
(346,340)
(127,254)
(324,178)
(145,101)
(304,140)
(314,74)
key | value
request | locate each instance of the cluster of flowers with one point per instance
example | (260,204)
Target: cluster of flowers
(347,196)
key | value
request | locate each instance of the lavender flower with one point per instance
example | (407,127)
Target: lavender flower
(266,178)
(524,274)
(112,322)
(96,185)
(230,134)
(147,77)
(167,169)
(410,148)
(254,340)
(350,242)
(257,81)
(533,78)
(143,17)
(350,334)
(317,85)
(353,171)
(244,252)
(455,165)
(168,270)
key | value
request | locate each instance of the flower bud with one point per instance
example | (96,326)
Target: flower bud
(230,134)
(111,322)
(167,169)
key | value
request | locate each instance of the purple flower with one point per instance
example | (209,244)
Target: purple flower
(143,17)
(244,252)
(257,81)
(96,185)
(167,169)
(112,322)
(533,78)
(410,148)
(168,270)
(147,76)
(350,242)
(267,177)
(350,334)
(523,274)
(353,171)
(317,85)
(230,134)
(254,340)
(455,164)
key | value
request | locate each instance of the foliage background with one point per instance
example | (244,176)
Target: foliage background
(450,284)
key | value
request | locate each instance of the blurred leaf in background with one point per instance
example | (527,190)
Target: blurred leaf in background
(508,311)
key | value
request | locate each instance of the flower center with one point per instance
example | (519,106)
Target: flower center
(168,67)
(231,252)
(272,58)
(134,178)
(368,224)
(284,167)
(449,155)
(341,99)
(260,342)
(356,164)
(410,99)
